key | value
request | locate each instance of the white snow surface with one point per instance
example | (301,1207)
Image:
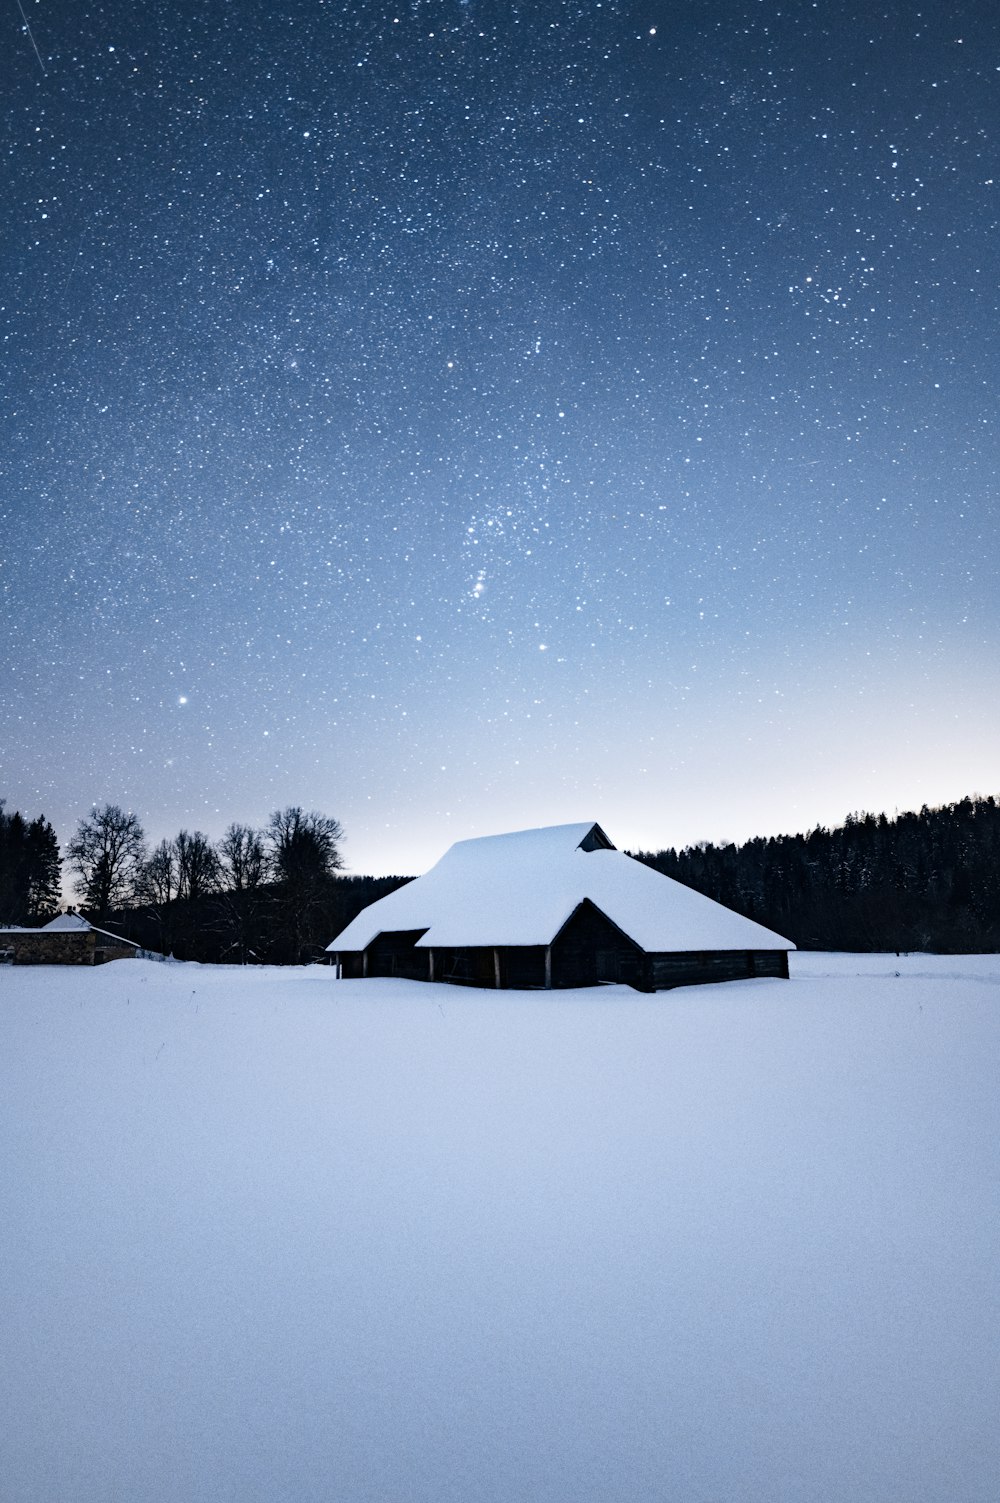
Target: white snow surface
(519,889)
(268,1236)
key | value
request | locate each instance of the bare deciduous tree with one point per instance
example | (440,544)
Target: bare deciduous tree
(107,854)
(304,852)
(158,880)
(242,875)
(157,887)
(197,865)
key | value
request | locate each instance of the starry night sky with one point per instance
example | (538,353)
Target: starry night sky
(465,416)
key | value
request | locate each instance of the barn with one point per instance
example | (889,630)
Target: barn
(553,907)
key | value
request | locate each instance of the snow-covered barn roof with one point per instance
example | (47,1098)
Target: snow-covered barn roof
(521,888)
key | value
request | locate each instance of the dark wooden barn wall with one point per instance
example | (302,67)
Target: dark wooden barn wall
(519,966)
(694,967)
(589,950)
(394,955)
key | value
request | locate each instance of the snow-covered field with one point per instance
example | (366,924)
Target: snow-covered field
(269,1238)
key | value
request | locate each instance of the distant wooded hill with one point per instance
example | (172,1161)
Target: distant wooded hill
(926,881)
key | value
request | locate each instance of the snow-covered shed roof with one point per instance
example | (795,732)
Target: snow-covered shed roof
(62,923)
(69,923)
(521,888)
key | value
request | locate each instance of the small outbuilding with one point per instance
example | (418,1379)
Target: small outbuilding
(69,939)
(555,907)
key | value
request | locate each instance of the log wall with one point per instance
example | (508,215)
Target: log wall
(588,951)
(694,967)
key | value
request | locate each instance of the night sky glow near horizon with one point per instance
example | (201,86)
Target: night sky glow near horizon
(466,416)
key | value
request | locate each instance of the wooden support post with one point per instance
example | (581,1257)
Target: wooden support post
(364,962)
(496,968)
(548,966)
(430,965)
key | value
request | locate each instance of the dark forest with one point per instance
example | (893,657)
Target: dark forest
(918,881)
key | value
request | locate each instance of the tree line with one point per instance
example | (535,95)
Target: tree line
(273,894)
(918,881)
